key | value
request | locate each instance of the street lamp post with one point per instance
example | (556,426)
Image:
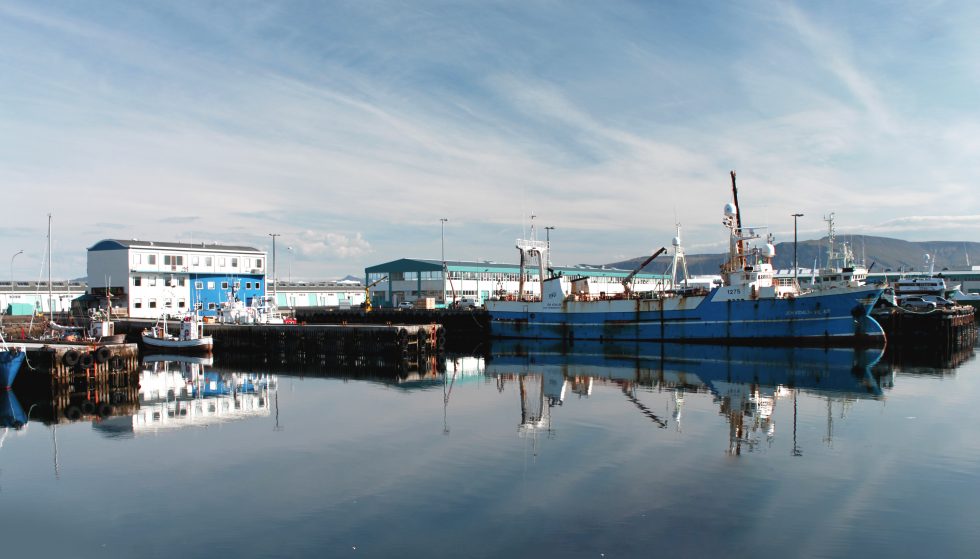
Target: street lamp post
(443,221)
(274,235)
(12,271)
(289,271)
(796,264)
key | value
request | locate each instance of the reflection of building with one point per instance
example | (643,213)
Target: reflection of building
(181,393)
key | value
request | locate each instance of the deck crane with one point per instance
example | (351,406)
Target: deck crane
(627,288)
(367,292)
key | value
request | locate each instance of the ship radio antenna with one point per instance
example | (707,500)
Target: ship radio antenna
(738,211)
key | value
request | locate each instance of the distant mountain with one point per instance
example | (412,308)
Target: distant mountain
(884,253)
(351,278)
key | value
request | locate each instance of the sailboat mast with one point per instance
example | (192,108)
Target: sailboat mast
(50,296)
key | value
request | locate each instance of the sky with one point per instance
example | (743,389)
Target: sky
(352,129)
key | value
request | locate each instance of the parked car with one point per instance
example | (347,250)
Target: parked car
(467,303)
(916,303)
(406,305)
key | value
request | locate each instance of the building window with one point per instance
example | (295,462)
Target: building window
(258,285)
(137,281)
(181,282)
(234,262)
(198,306)
(208,261)
(153,281)
(248,285)
(224,285)
(181,304)
(168,303)
(151,259)
(198,285)
(195,260)
(173,260)
(153,303)
(210,306)
(137,258)
(238,285)
(137,303)
(211,285)
(258,263)
(221,262)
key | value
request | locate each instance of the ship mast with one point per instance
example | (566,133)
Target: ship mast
(831,240)
(50,295)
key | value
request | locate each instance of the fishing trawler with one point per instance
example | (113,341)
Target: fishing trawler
(750,306)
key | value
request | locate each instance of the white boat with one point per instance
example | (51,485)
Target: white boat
(191,338)
(262,310)
(961,298)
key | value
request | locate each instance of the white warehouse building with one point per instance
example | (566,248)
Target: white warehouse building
(146,279)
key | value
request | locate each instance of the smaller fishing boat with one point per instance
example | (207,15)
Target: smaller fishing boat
(101,328)
(11,358)
(190,339)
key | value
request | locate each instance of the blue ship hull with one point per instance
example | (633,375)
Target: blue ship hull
(10,362)
(846,372)
(838,318)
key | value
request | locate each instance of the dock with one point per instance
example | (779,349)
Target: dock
(939,328)
(387,343)
(79,380)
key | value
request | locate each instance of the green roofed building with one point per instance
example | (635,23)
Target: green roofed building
(472,283)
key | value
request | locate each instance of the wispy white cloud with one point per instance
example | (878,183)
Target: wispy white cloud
(352,129)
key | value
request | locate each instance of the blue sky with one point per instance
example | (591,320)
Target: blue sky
(351,128)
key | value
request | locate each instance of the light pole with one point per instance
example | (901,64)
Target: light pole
(12,271)
(796,265)
(290,264)
(274,235)
(547,237)
(443,221)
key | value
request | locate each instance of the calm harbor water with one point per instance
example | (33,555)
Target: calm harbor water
(604,452)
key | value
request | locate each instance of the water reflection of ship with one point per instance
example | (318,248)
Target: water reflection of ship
(179,391)
(746,382)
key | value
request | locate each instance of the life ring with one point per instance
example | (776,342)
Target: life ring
(70,358)
(102,354)
(73,413)
(116,363)
(86,360)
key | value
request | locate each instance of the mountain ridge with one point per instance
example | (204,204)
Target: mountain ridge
(879,253)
